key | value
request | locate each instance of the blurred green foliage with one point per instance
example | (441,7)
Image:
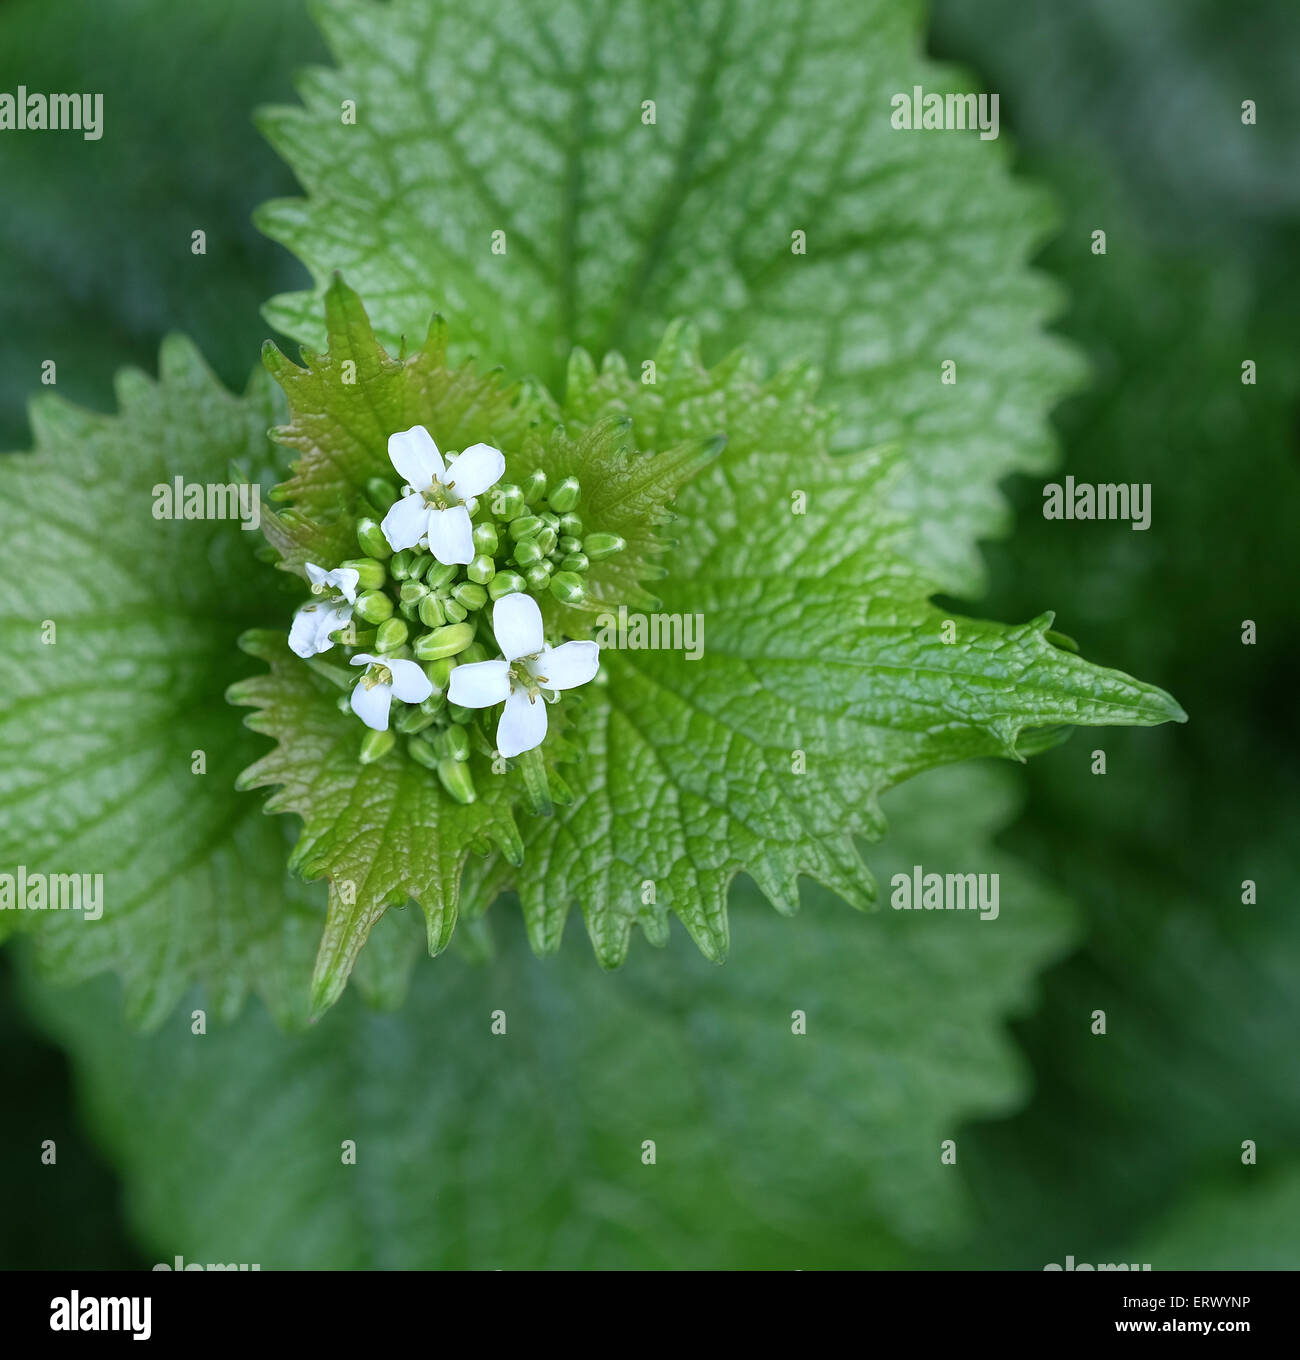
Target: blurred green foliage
(95,236)
(61,1217)
(1133,113)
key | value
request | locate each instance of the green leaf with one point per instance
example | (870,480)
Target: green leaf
(524,1149)
(117,639)
(503,169)
(346,402)
(387,833)
(344,405)
(825,677)
(382,834)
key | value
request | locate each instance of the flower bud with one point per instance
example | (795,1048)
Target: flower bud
(569,543)
(392,634)
(455,743)
(457,780)
(525,527)
(506,583)
(597,546)
(528,552)
(455,611)
(476,651)
(439,673)
(374,606)
(547,539)
(571,524)
(567,587)
(538,575)
(482,569)
(507,501)
(574,561)
(565,496)
(412,592)
(380,492)
(534,486)
(469,594)
(413,720)
(439,574)
(486,539)
(551,518)
(460,714)
(409,612)
(401,563)
(371,538)
(344,702)
(422,752)
(375,746)
(431,612)
(371,575)
(446,641)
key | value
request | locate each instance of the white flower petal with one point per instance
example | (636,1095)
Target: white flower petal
(479,684)
(522,725)
(451,536)
(345,578)
(371,704)
(567,666)
(316,574)
(410,684)
(406,523)
(517,622)
(312,625)
(475,469)
(303,631)
(415,456)
(363,659)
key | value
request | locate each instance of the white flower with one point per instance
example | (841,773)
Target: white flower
(314,622)
(432,503)
(372,695)
(530,666)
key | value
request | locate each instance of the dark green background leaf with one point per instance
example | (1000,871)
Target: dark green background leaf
(524,1149)
(95,259)
(1135,112)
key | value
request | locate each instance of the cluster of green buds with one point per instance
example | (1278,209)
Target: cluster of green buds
(412,607)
